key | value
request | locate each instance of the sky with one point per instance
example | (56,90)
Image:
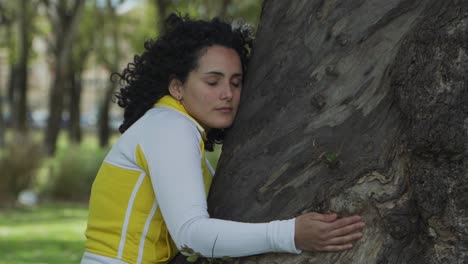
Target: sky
(122,8)
(127,5)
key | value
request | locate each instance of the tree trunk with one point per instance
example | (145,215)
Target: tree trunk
(355,107)
(162,7)
(55,108)
(103,118)
(12,75)
(65,27)
(112,63)
(74,103)
(2,122)
(224,8)
(21,82)
(12,68)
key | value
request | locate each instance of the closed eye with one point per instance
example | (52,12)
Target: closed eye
(236,84)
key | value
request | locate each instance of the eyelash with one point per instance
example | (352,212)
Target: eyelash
(215,83)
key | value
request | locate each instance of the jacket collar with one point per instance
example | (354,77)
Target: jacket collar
(169,102)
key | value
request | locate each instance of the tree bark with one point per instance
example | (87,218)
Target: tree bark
(355,107)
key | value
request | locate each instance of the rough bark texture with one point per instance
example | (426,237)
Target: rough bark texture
(356,107)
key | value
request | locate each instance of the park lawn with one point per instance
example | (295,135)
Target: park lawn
(51,233)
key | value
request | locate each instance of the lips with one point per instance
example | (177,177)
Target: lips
(224,109)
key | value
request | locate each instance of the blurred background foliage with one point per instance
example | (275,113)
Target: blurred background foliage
(57,116)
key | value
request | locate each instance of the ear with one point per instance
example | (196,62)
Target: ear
(176,88)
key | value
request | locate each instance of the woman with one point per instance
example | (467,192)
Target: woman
(149,197)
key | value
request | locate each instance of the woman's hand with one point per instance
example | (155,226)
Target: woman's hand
(324,232)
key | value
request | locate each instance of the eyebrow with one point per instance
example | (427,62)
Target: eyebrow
(222,74)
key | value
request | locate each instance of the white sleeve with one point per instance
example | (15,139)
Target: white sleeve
(174,160)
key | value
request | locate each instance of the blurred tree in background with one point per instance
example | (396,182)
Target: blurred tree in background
(81,49)
(18,30)
(64,18)
(20,46)
(5,21)
(109,55)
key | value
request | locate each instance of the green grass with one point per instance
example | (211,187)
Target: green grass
(213,156)
(52,233)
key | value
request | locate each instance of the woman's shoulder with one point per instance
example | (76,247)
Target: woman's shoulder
(164,117)
(163,121)
(157,127)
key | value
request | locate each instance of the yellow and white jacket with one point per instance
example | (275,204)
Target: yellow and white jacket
(157,175)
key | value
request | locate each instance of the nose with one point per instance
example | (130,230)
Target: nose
(226,93)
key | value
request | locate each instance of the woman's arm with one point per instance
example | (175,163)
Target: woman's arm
(174,160)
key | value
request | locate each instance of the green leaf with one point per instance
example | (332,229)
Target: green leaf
(330,156)
(187,250)
(192,259)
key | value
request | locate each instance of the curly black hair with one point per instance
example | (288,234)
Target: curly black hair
(173,55)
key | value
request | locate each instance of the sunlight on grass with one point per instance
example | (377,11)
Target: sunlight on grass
(60,229)
(50,234)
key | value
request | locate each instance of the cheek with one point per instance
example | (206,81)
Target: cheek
(201,96)
(237,95)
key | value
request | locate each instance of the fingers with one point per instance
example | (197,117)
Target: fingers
(347,229)
(337,247)
(323,217)
(344,222)
(325,232)
(344,240)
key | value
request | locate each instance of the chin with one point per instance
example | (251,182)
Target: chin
(221,125)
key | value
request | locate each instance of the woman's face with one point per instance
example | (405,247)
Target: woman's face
(212,91)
